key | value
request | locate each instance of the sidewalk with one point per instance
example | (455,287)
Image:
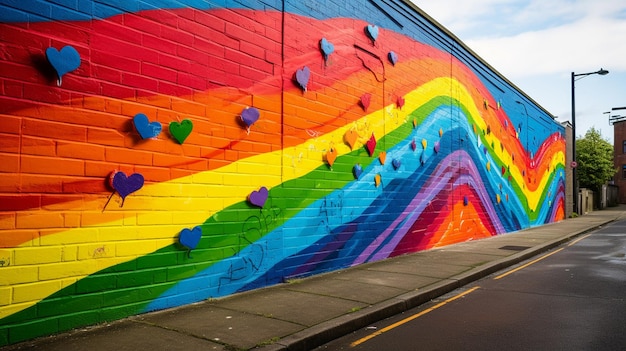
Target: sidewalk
(307,313)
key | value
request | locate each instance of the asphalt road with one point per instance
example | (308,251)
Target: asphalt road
(571,298)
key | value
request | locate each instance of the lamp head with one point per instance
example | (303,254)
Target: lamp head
(602,72)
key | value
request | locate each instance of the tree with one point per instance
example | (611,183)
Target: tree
(594,156)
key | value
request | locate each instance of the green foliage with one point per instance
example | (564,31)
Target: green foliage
(594,156)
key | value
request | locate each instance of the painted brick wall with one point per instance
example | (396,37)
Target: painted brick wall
(358,154)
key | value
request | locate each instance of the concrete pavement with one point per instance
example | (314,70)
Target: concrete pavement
(306,313)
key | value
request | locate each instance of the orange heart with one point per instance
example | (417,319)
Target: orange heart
(331,156)
(350,137)
(377,180)
(382,156)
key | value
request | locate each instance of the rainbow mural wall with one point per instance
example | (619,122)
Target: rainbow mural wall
(159,153)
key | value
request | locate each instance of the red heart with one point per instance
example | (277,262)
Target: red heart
(400,102)
(371,144)
(365,101)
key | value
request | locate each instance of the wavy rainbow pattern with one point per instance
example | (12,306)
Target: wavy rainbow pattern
(468,168)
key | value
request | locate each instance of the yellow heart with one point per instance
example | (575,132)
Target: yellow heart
(424,143)
(377,180)
(382,156)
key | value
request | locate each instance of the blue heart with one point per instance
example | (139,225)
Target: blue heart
(190,238)
(357,170)
(126,185)
(327,47)
(146,128)
(465,201)
(372,32)
(396,163)
(63,61)
(393,57)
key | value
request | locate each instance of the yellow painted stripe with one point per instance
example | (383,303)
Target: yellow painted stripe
(408,319)
(527,264)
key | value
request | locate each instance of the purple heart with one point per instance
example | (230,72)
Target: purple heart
(465,201)
(357,170)
(413,145)
(146,128)
(436,147)
(372,32)
(250,115)
(302,77)
(396,163)
(126,185)
(326,47)
(258,198)
(190,238)
(393,57)
(64,61)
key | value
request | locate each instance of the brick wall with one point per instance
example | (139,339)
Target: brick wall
(364,160)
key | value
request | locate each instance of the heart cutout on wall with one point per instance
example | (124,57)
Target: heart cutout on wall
(250,115)
(351,137)
(365,101)
(371,144)
(372,32)
(357,170)
(393,57)
(382,157)
(302,77)
(64,61)
(436,148)
(331,156)
(396,163)
(258,198)
(424,144)
(377,179)
(145,128)
(180,131)
(413,145)
(190,238)
(126,185)
(400,102)
(326,47)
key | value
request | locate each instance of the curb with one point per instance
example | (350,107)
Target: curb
(327,331)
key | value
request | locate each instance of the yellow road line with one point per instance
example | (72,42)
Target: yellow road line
(577,240)
(538,259)
(408,319)
(527,264)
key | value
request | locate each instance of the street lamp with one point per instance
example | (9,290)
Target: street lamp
(601,72)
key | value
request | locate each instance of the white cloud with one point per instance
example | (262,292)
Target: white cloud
(538,43)
(535,37)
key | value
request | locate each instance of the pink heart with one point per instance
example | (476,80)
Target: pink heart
(365,101)
(371,144)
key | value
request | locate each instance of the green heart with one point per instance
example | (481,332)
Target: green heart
(180,131)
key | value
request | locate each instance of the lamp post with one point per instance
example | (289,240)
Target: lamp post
(601,72)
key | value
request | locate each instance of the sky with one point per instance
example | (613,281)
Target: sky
(537,44)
